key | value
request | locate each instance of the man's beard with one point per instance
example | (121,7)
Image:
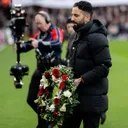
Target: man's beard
(78,25)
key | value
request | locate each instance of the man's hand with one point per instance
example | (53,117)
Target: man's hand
(34,43)
(15,46)
(77,81)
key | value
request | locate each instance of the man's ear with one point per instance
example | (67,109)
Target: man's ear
(87,18)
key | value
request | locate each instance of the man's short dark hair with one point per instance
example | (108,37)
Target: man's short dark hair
(84,6)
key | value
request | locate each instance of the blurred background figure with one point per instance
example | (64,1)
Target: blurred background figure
(71,34)
(5,32)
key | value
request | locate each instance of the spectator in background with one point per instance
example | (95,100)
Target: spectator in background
(71,34)
(2,33)
(5,32)
(113,29)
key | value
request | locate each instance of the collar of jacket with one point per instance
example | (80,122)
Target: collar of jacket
(50,28)
(83,27)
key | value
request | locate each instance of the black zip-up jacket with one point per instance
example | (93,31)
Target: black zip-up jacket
(91,61)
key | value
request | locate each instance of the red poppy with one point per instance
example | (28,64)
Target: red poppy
(47,75)
(56,72)
(55,113)
(57,101)
(42,91)
(62,85)
(64,77)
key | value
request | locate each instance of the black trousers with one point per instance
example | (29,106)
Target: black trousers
(32,95)
(90,120)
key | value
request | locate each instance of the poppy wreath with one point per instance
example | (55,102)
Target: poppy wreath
(57,94)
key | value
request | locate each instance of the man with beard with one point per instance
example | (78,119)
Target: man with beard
(47,41)
(90,60)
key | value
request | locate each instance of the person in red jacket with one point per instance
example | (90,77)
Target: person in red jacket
(48,41)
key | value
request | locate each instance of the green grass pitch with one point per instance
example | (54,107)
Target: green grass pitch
(15,112)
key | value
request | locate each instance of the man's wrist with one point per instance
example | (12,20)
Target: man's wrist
(82,79)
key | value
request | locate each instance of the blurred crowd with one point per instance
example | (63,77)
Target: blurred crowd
(115,18)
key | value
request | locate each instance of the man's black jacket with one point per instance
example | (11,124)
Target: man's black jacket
(91,61)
